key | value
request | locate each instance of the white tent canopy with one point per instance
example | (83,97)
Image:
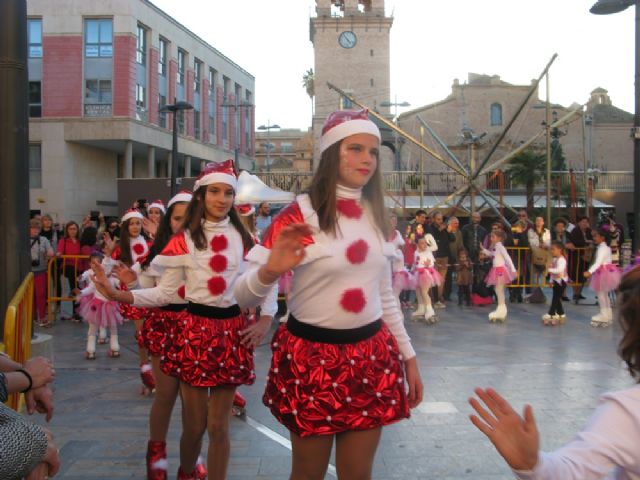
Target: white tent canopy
(252,190)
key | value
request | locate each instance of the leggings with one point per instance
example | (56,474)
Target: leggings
(604,302)
(556,301)
(499,289)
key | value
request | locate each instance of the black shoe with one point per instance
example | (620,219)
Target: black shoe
(565,299)
(581,297)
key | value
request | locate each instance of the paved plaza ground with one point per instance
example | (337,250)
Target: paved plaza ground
(100,421)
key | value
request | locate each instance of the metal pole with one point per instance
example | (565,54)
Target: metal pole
(14,159)
(636,139)
(174,153)
(548,147)
(268,145)
(585,180)
(472,167)
(421,168)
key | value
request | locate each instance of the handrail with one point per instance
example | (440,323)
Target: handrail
(54,276)
(18,327)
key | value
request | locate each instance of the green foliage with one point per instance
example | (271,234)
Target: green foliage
(527,169)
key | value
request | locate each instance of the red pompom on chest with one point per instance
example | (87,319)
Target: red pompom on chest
(181,292)
(217,285)
(349,208)
(219,243)
(357,252)
(218,263)
(353,300)
(138,249)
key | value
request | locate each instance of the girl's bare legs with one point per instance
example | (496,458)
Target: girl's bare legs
(310,456)
(167,388)
(194,424)
(220,403)
(142,352)
(355,452)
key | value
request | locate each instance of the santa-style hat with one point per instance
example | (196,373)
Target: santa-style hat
(344,123)
(181,196)
(157,204)
(131,213)
(222,172)
(245,209)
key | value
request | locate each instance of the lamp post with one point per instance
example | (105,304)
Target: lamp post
(396,104)
(236,147)
(268,127)
(175,108)
(605,7)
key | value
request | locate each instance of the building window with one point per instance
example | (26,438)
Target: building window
(180,121)
(181,59)
(226,86)
(35,99)
(371,82)
(162,117)
(196,124)
(197,75)
(247,120)
(286,147)
(34,35)
(371,52)
(345,103)
(97,98)
(98,37)
(162,57)
(35,166)
(141,111)
(496,114)
(236,114)
(141,45)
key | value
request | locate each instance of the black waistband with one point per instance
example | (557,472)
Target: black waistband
(314,333)
(219,313)
(174,307)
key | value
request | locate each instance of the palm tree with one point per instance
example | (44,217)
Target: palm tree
(308,84)
(528,168)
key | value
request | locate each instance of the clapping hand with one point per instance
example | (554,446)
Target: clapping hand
(287,252)
(149,226)
(125,274)
(101,281)
(516,438)
(109,244)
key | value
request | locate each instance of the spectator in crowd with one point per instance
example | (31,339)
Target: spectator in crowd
(41,251)
(263,219)
(88,245)
(420,219)
(580,239)
(540,242)
(473,234)
(560,234)
(26,449)
(453,225)
(70,245)
(52,232)
(524,217)
(520,257)
(113,229)
(443,237)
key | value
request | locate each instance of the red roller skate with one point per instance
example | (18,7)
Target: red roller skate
(199,473)
(239,403)
(157,464)
(148,380)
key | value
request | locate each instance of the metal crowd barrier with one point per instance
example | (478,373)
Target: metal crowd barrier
(54,279)
(527,274)
(18,328)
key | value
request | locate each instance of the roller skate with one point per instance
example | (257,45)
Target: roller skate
(555,320)
(546,319)
(90,353)
(419,312)
(600,320)
(430,316)
(148,381)
(499,315)
(199,473)
(102,336)
(157,464)
(239,404)
(114,347)
(562,319)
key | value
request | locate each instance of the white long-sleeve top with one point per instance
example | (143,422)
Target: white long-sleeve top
(558,269)
(534,239)
(397,264)
(91,288)
(344,281)
(603,257)
(608,447)
(424,258)
(180,263)
(148,288)
(500,256)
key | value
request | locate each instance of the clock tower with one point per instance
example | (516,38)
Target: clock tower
(351,50)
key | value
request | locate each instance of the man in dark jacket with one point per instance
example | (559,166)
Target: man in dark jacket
(443,236)
(473,235)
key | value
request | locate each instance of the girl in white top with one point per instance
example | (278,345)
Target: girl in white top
(337,369)
(608,445)
(604,278)
(402,280)
(502,273)
(425,276)
(559,278)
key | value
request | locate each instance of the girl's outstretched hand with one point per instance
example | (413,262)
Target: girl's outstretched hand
(516,438)
(286,253)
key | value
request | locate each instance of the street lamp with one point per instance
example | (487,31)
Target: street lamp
(175,108)
(268,127)
(605,7)
(396,104)
(236,148)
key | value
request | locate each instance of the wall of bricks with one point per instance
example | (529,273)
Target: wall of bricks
(124,75)
(62,85)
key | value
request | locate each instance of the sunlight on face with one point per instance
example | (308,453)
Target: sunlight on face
(358,160)
(218,200)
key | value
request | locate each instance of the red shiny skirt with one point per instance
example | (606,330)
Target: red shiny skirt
(207,352)
(130,312)
(157,329)
(316,388)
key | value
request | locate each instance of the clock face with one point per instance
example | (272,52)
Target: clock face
(347,39)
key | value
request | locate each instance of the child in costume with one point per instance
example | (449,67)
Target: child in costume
(501,274)
(604,277)
(559,278)
(425,277)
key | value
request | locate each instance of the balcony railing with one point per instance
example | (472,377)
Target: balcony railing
(409,183)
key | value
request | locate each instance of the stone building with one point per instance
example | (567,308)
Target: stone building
(99,72)
(289,149)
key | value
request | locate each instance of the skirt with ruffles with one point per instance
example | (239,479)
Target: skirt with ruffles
(206,348)
(158,327)
(606,278)
(427,277)
(319,388)
(102,313)
(499,274)
(403,280)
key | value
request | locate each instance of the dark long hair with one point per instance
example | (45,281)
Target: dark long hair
(125,243)
(195,214)
(66,229)
(89,237)
(629,346)
(322,192)
(163,235)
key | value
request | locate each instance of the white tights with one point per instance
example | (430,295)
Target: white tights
(499,289)
(604,302)
(423,296)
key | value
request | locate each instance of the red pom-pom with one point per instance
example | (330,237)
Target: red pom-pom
(218,263)
(357,252)
(349,208)
(353,300)
(138,249)
(181,291)
(218,243)
(217,285)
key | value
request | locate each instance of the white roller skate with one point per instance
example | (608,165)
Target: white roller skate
(600,320)
(555,320)
(499,315)
(90,353)
(102,336)
(419,312)
(562,319)
(430,316)
(546,319)
(114,346)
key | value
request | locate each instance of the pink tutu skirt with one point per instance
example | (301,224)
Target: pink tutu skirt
(427,278)
(499,275)
(605,278)
(102,313)
(403,280)
(284,283)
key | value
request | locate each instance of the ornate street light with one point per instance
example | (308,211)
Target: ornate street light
(268,127)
